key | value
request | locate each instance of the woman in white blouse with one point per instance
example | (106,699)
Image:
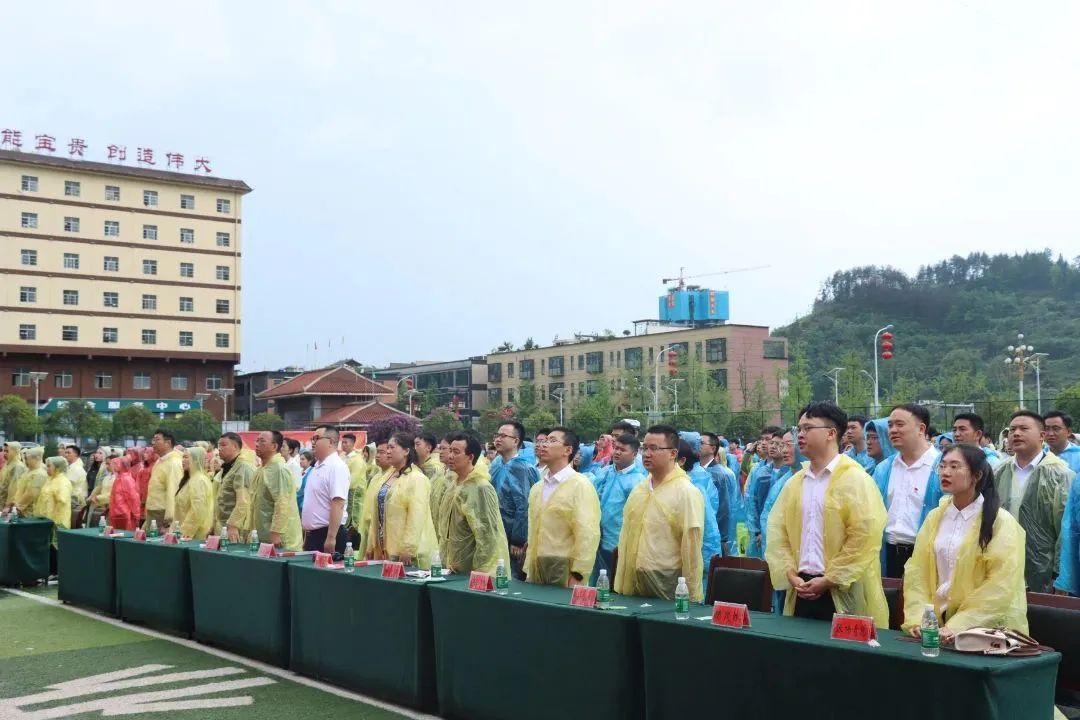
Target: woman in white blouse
(969,555)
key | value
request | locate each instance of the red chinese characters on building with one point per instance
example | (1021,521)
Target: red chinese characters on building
(45,142)
(77,146)
(145,156)
(202,164)
(117,152)
(174,160)
(10,138)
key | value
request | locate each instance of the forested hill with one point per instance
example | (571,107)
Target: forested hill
(953,322)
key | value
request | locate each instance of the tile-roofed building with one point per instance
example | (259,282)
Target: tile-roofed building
(312,394)
(358,416)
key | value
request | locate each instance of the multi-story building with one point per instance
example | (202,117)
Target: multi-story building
(249,385)
(458,384)
(121,283)
(734,355)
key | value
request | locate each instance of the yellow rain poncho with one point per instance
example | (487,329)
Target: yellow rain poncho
(273,505)
(161,490)
(1039,511)
(76,473)
(13,470)
(408,528)
(442,482)
(470,529)
(564,531)
(358,484)
(54,500)
(853,525)
(432,466)
(987,588)
(24,492)
(233,493)
(661,538)
(195,500)
(102,489)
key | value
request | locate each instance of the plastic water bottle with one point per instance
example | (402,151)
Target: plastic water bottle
(253,542)
(350,557)
(14,515)
(101,525)
(603,591)
(436,564)
(175,529)
(931,642)
(153,529)
(502,580)
(682,600)
(224,538)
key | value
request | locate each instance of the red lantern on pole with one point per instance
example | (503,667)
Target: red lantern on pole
(887,346)
(673,363)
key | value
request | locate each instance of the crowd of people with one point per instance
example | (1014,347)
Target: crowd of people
(832,505)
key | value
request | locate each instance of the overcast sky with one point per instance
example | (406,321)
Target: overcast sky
(434,178)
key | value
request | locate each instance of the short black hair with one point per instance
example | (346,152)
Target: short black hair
(542,431)
(777,431)
(76,448)
(472,445)
(233,438)
(569,436)
(331,434)
(293,444)
(861,419)
(931,432)
(921,413)
(1065,419)
(349,436)
(428,438)
(166,435)
(518,428)
(830,413)
(629,441)
(976,421)
(1031,414)
(713,439)
(277,437)
(671,435)
(624,428)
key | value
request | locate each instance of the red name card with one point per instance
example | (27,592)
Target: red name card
(732,615)
(108,531)
(213,542)
(170,539)
(140,535)
(583,596)
(480,581)
(393,570)
(853,627)
(322,560)
(266,550)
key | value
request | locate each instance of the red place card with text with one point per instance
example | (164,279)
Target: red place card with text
(108,531)
(583,596)
(853,627)
(213,542)
(322,560)
(393,570)
(480,581)
(732,615)
(266,550)
(140,535)
(170,539)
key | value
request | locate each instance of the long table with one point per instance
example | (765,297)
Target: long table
(530,654)
(788,667)
(153,584)
(87,569)
(365,633)
(24,550)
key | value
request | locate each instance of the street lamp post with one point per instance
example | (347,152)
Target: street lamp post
(1036,358)
(1021,356)
(877,400)
(675,392)
(224,394)
(834,375)
(36,377)
(559,395)
(656,378)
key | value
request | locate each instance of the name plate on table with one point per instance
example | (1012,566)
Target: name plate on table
(140,535)
(213,542)
(583,596)
(393,570)
(107,532)
(170,539)
(853,627)
(733,615)
(322,560)
(266,550)
(480,581)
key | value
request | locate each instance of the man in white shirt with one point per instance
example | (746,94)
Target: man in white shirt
(908,483)
(325,493)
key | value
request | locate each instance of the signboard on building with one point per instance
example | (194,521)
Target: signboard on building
(76,149)
(107,406)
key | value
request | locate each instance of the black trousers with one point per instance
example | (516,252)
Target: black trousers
(315,539)
(896,556)
(820,609)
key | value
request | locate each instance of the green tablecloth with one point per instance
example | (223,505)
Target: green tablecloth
(788,667)
(364,633)
(532,655)
(153,584)
(24,550)
(241,602)
(87,569)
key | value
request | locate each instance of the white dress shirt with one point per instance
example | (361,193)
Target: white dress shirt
(812,541)
(327,481)
(954,527)
(552,481)
(1022,474)
(907,490)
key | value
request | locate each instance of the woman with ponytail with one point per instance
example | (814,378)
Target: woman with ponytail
(968,560)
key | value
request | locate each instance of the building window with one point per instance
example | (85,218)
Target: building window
(591,387)
(187,270)
(112,264)
(213,382)
(29,183)
(149,232)
(149,198)
(187,202)
(149,302)
(509,395)
(20,377)
(179,382)
(222,272)
(594,362)
(149,267)
(509,369)
(542,366)
(221,340)
(72,188)
(63,379)
(223,239)
(71,261)
(187,304)
(28,332)
(697,351)
(28,294)
(224,206)
(716,350)
(187,235)
(102,380)
(773,349)
(29,257)
(112,192)
(110,299)
(71,224)
(555,366)
(187,338)
(141,381)
(527,370)
(494,396)
(495,372)
(71,297)
(632,357)
(720,377)
(29,220)
(149,337)
(555,389)
(223,307)
(110,335)
(69,333)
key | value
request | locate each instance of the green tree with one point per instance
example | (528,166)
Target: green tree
(593,416)
(76,419)
(856,389)
(194,425)
(541,417)
(134,421)
(490,420)
(17,418)
(800,390)
(442,421)
(266,421)
(905,390)
(1068,401)
(526,400)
